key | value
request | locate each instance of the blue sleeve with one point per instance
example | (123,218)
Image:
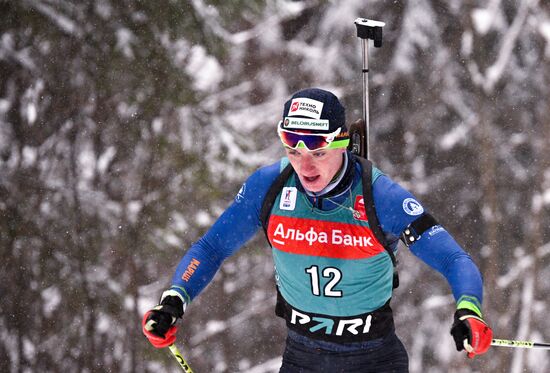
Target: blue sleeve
(231,230)
(396,209)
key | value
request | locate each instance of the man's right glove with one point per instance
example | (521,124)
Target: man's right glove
(158,324)
(471,333)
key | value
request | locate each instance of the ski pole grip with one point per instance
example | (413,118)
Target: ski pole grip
(369,29)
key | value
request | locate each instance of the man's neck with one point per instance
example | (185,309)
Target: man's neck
(336,180)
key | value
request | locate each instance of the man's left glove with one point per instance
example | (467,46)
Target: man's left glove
(158,324)
(471,333)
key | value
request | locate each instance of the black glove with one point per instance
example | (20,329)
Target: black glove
(471,333)
(158,324)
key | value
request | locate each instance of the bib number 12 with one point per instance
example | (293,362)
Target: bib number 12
(333,274)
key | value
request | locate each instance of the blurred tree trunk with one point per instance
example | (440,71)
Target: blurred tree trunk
(495,300)
(82,250)
(489,205)
(535,218)
(133,320)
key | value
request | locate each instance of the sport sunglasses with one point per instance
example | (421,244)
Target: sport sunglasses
(311,141)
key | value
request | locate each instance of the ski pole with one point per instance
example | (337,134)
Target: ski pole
(174,350)
(367,29)
(519,344)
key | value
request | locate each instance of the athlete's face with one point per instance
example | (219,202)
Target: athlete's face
(316,168)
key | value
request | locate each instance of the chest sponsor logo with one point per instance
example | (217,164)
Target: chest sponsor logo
(305,107)
(288,198)
(359,209)
(322,238)
(412,207)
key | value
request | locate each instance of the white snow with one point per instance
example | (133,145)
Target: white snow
(4,105)
(436,301)
(416,33)
(179,223)
(496,70)
(86,163)
(483,19)
(7,45)
(133,208)
(29,109)
(63,22)
(29,349)
(270,366)
(524,328)
(157,125)
(203,218)
(522,265)
(171,239)
(538,360)
(126,111)
(204,69)
(103,323)
(215,326)
(51,297)
(455,136)
(31,113)
(544,30)
(125,39)
(467,43)
(103,8)
(105,159)
(29,156)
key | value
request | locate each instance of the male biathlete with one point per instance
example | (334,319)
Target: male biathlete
(333,222)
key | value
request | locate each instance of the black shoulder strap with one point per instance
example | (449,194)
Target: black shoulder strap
(272,194)
(370,210)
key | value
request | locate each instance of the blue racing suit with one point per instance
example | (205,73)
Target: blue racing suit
(396,208)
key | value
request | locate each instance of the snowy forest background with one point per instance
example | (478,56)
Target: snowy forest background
(126,127)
